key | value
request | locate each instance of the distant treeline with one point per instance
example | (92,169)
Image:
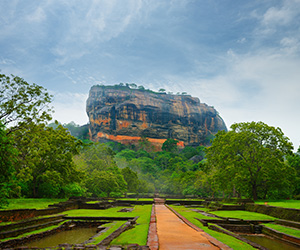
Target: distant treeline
(140,88)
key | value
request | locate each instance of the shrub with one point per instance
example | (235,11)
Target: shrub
(73,189)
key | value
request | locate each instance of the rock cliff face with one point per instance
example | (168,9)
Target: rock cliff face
(122,114)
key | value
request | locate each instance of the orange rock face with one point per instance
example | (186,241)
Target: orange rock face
(118,113)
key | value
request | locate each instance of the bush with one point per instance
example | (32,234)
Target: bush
(115,194)
(73,189)
(297,197)
(47,190)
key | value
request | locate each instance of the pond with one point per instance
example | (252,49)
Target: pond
(74,236)
(270,243)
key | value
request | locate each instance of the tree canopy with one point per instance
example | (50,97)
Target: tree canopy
(40,160)
(170,145)
(7,159)
(250,160)
(46,156)
(22,103)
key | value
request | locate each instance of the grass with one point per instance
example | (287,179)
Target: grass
(287,230)
(245,215)
(282,203)
(226,239)
(92,202)
(186,199)
(228,203)
(110,212)
(112,227)
(29,203)
(136,199)
(204,209)
(195,214)
(33,218)
(34,232)
(137,235)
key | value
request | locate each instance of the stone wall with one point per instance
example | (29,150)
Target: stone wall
(184,202)
(282,236)
(278,212)
(22,214)
(29,222)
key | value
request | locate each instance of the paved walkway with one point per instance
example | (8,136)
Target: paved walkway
(173,233)
(170,230)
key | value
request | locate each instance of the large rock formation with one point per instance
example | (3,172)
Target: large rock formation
(122,114)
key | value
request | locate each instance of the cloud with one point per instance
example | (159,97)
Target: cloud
(290,45)
(91,24)
(6,61)
(258,87)
(38,15)
(276,17)
(242,58)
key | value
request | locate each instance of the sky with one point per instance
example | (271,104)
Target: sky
(242,57)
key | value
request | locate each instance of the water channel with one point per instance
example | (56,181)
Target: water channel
(270,243)
(74,236)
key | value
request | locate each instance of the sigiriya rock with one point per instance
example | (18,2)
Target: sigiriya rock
(122,114)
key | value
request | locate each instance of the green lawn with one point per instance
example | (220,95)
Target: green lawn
(136,235)
(245,215)
(186,199)
(282,203)
(113,226)
(92,202)
(110,212)
(34,232)
(226,239)
(287,230)
(29,203)
(136,199)
(196,214)
(204,209)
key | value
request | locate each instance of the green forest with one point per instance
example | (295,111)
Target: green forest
(40,159)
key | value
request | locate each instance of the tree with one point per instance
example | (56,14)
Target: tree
(7,158)
(145,144)
(133,85)
(294,161)
(103,183)
(250,159)
(189,152)
(22,103)
(46,157)
(170,145)
(80,132)
(128,154)
(102,176)
(131,179)
(162,90)
(96,156)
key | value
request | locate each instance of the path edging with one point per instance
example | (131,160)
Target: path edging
(152,240)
